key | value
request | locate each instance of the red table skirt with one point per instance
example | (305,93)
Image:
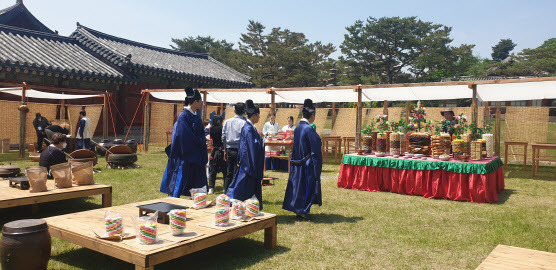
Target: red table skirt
(427,183)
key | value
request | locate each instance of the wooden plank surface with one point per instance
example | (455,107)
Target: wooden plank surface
(10,197)
(508,257)
(78,228)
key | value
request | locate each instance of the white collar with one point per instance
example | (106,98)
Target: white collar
(189,109)
(304,119)
(249,121)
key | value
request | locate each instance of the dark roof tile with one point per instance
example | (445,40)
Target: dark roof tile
(19,16)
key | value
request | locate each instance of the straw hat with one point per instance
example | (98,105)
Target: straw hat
(447,110)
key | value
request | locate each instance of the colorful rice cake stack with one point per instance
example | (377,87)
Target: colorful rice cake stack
(419,143)
(483,148)
(113,225)
(238,210)
(222,201)
(395,144)
(147,233)
(252,207)
(177,221)
(222,216)
(381,143)
(467,139)
(199,200)
(436,146)
(489,139)
(403,143)
(458,147)
(367,143)
(476,150)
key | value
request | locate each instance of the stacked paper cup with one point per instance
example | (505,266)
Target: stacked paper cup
(489,144)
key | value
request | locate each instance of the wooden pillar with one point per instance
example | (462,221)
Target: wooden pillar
(407,111)
(146,123)
(204,114)
(63,109)
(474,112)
(333,113)
(497,130)
(486,112)
(105,117)
(385,109)
(358,118)
(22,123)
(272,101)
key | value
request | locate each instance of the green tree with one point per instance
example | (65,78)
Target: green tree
(396,49)
(502,50)
(540,61)
(282,58)
(200,44)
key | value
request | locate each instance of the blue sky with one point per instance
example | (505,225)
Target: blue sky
(483,23)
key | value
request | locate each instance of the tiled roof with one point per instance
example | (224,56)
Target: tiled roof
(135,55)
(19,16)
(27,49)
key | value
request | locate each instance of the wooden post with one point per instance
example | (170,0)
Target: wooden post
(497,130)
(385,109)
(63,110)
(474,115)
(486,112)
(204,114)
(358,118)
(105,117)
(407,111)
(333,113)
(22,123)
(146,124)
(272,101)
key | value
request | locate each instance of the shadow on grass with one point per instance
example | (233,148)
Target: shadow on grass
(504,195)
(221,256)
(47,209)
(318,218)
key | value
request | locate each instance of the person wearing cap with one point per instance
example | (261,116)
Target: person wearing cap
(187,155)
(449,119)
(304,186)
(40,123)
(248,180)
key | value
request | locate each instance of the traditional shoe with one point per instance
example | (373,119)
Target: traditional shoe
(303,216)
(211,191)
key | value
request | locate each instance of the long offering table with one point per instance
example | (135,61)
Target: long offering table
(11,197)
(200,233)
(475,181)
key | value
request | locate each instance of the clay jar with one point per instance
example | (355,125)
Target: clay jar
(25,245)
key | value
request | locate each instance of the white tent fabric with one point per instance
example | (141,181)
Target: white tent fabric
(233,97)
(517,91)
(44,95)
(178,96)
(318,96)
(441,92)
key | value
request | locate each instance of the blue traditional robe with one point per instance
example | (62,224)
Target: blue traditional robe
(248,179)
(304,187)
(187,156)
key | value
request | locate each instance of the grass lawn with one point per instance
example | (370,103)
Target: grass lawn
(352,230)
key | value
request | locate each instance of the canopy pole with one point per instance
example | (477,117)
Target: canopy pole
(407,111)
(272,102)
(358,118)
(146,125)
(486,112)
(385,109)
(204,105)
(474,115)
(105,116)
(63,109)
(497,130)
(22,121)
(333,113)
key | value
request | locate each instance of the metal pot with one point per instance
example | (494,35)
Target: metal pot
(132,144)
(25,244)
(99,147)
(117,142)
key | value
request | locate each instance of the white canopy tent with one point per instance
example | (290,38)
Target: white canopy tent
(440,92)
(43,95)
(517,91)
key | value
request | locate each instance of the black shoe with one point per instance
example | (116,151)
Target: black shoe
(303,216)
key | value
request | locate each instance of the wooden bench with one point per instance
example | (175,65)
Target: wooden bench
(11,197)
(508,257)
(331,143)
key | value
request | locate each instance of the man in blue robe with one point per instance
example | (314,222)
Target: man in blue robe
(304,186)
(187,155)
(248,179)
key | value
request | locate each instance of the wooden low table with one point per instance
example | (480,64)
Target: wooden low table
(337,141)
(11,197)
(288,145)
(78,228)
(508,257)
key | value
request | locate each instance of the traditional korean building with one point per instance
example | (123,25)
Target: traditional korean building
(89,60)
